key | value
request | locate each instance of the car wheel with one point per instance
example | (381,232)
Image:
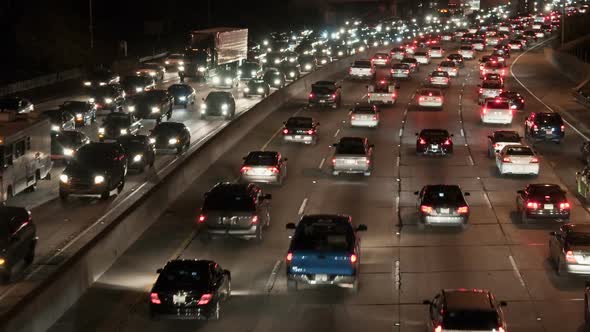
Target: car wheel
(63,195)
(217,312)
(105,195)
(259,234)
(291,285)
(30,256)
(179,150)
(121,186)
(523,217)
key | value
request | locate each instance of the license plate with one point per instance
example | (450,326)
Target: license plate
(548,206)
(321,277)
(297,136)
(350,162)
(447,210)
(434,146)
(322,101)
(307,138)
(258,171)
(179,299)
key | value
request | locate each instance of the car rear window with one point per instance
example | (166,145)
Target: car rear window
(440,195)
(324,236)
(439,74)
(447,64)
(363,110)
(578,239)
(299,122)
(548,118)
(466,48)
(228,202)
(472,320)
(430,93)
(362,64)
(322,90)
(507,137)
(350,148)
(520,151)
(400,66)
(261,159)
(489,85)
(420,54)
(184,276)
(498,105)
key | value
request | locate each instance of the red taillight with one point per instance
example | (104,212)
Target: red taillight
(484,110)
(421,99)
(426,209)
(496,145)
(289,257)
(393,96)
(254,220)
(352,117)
(350,70)
(205,298)
(202,218)
(447,142)
(310,132)
(311,95)
(374,117)
(562,127)
(368,161)
(506,160)
(422,141)
(569,257)
(333,161)
(564,206)
(285,131)
(532,205)
(155,299)
(274,170)
(501,329)
(534,160)
(245,169)
(463,209)
(353,258)
(391,71)
(438,328)
(369,95)
(535,127)
(333,96)
(480,90)
(406,71)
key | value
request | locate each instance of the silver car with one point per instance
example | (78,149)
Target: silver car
(264,167)
(569,249)
(353,155)
(364,115)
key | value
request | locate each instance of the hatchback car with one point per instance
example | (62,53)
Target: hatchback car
(442,205)
(465,310)
(400,70)
(544,126)
(517,159)
(542,201)
(18,239)
(450,67)
(324,250)
(235,210)
(190,289)
(301,130)
(568,250)
(439,78)
(434,142)
(457,59)
(353,155)
(264,167)
(256,87)
(325,93)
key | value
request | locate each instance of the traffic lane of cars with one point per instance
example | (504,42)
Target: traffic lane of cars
(488,235)
(236,255)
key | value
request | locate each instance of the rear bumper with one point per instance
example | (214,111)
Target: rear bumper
(543,136)
(333,279)
(245,233)
(430,104)
(171,312)
(507,119)
(400,75)
(322,102)
(364,123)
(548,214)
(260,178)
(519,169)
(444,220)
(307,139)
(427,150)
(360,76)
(578,269)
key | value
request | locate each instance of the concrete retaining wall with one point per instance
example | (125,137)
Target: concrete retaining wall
(47,303)
(568,64)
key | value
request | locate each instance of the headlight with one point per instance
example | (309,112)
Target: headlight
(167,62)
(324,61)
(228,81)
(291,60)
(101,130)
(239,72)
(181,68)
(224,107)
(172,141)
(137,158)
(138,89)
(182,98)
(123,131)
(246,89)
(308,66)
(131,108)
(277,61)
(216,80)
(98,179)
(55,127)
(181,63)
(91,100)
(264,60)
(340,53)
(253,73)
(201,69)
(277,81)
(155,110)
(260,90)
(152,140)
(108,100)
(68,152)
(102,84)
(64,178)
(203,106)
(87,83)
(151,73)
(265,43)
(79,116)
(291,74)
(138,73)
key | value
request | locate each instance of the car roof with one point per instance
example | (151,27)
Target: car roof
(190,263)
(577,228)
(263,153)
(543,186)
(333,218)
(434,131)
(355,140)
(232,188)
(463,299)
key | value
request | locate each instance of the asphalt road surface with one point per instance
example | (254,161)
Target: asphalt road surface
(401,265)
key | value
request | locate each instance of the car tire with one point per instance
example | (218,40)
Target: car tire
(217,311)
(560,268)
(259,236)
(367,174)
(523,217)
(105,195)
(292,285)
(30,256)
(121,187)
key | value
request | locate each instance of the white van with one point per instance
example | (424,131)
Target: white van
(497,111)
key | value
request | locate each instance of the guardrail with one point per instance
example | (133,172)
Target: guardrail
(55,78)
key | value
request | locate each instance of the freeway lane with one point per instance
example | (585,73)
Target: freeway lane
(400,264)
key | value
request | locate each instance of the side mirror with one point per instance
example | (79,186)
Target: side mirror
(479,85)
(503,303)
(490,137)
(427,302)
(417,134)
(243,158)
(267,196)
(317,124)
(159,271)
(203,99)
(521,192)
(553,233)
(290,226)
(334,145)
(284,122)
(467,193)
(361,228)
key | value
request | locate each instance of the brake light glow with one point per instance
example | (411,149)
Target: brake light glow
(564,206)
(447,142)
(333,96)
(421,99)
(422,141)
(245,169)
(569,257)
(274,170)
(334,161)
(501,329)
(374,117)
(534,160)
(393,95)
(484,110)
(426,209)
(285,131)
(532,205)
(506,160)
(463,209)
(205,299)
(202,218)
(155,299)
(310,132)
(289,257)
(353,258)
(352,117)
(562,127)
(438,328)
(480,90)
(311,95)
(254,220)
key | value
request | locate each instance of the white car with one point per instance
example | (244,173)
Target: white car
(467,52)
(439,78)
(496,111)
(517,159)
(450,67)
(429,97)
(361,69)
(479,44)
(400,70)
(364,115)
(436,52)
(422,57)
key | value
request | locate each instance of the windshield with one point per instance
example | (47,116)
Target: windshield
(520,151)
(216,97)
(323,235)
(228,202)
(473,320)
(442,194)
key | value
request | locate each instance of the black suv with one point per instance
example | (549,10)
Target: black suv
(219,103)
(465,310)
(95,169)
(434,142)
(118,124)
(239,210)
(442,205)
(301,130)
(84,112)
(141,152)
(107,97)
(17,239)
(171,136)
(544,126)
(153,104)
(542,201)
(274,78)
(325,93)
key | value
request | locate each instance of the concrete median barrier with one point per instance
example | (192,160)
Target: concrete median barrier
(44,301)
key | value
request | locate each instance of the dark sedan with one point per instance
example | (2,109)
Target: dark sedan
(440,205)
(219,103)
(542,201)
(249,70)
(137,84)
(171,136)
(84,112)
(274,78)
(118,124)
(140,151)
(190,289)
(434,142)
(107,97)
(183,94)
(256,87)
(301,130)
(65,143)
(153,105)
(516,99)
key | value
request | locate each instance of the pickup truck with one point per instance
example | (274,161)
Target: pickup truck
(382,92)
(361,69)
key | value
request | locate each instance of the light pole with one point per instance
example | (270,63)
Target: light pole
(90,28)
(563,24)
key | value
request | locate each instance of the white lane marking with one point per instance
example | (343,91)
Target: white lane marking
(534,95)
(322,163)
(397,274)
(337,132)
(487,198)
(364,96)
(302,207)
(516,271)
(271,138)
(462,132)
(470,159)
(270,282)
(401,132)
(397,160)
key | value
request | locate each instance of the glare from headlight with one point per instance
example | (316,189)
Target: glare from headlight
(291,74)
(172,141)
(324,61)
(138,89)
(79,116)
(55,127)
(131,108)
(203,106)
(201,69)
(216,80)
(181,68)
(265,42)
(340,53)
(361,49)
(224,107)
(228,81)
(155,110)
(68,152)
(87,83)
(108,100)
(64,178)
(101,130)
(102,84)
(182,98)
(277,82)
(239,72)
(253,73)
(123,131)
(291,60)
(167,62)
(152,140)
(277,61)
(181,63)
(98,179)
(260,90)
(91,100)
(246,89)
(137,158)
(151,73)
(308,66)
